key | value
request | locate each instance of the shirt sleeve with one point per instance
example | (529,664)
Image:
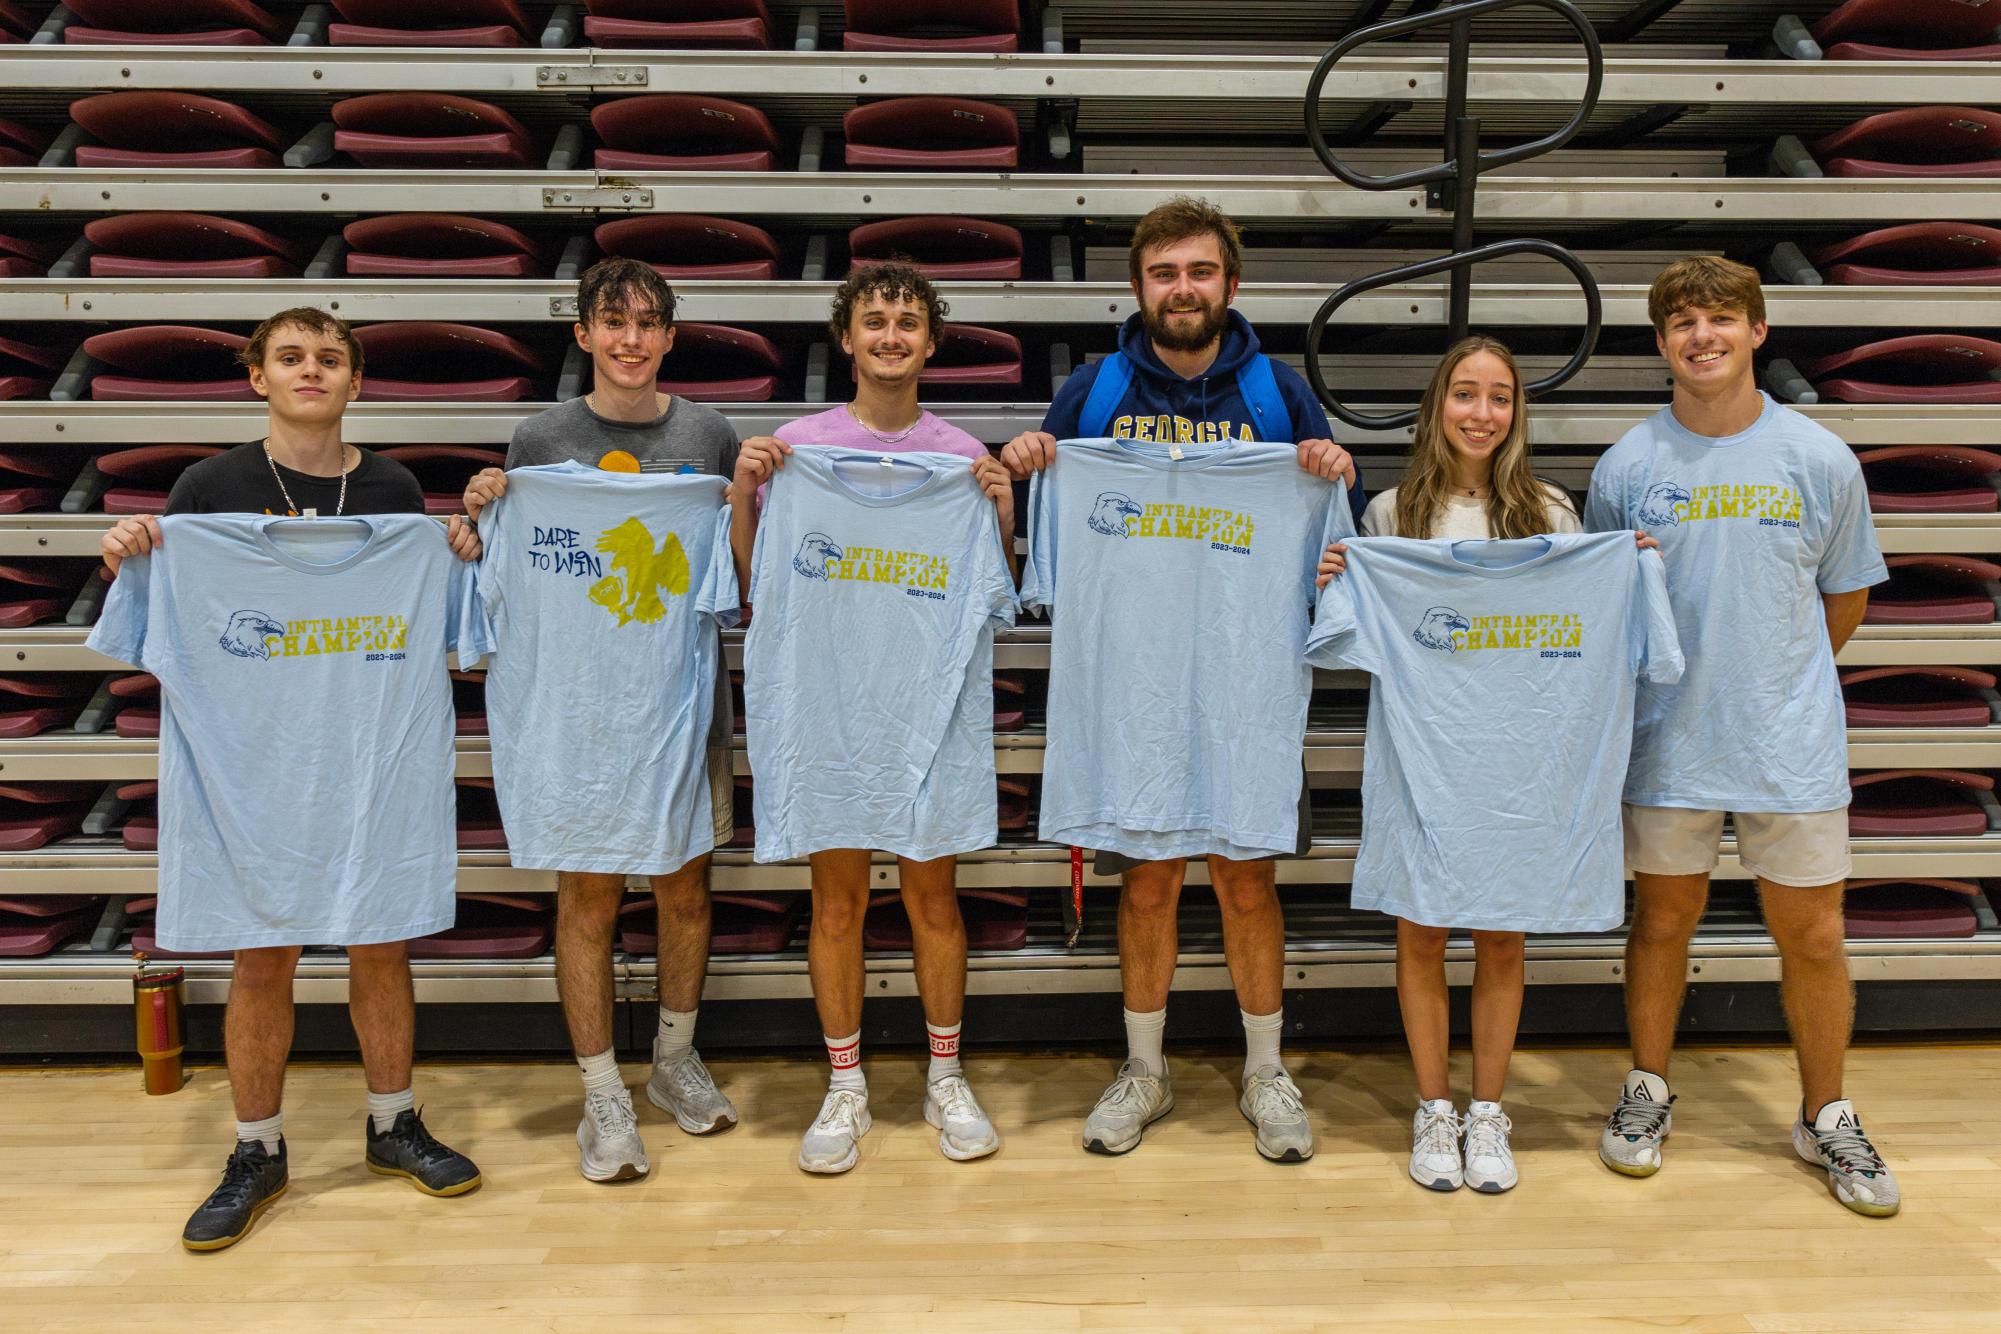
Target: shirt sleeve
(1337,639)
(1605,503)
(120,631)
(1038,574)
(1338,526)
(719,597)
(1656,644)
(1850,557)
(468,632)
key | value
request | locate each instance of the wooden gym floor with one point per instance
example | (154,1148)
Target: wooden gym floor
(1192,1231)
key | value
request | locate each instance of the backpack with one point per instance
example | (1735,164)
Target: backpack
(1255,382)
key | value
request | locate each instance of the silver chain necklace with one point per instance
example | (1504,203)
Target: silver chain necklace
(880,438)
(340,501)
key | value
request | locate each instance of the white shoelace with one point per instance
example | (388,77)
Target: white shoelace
(690,1075)
(955,1099)
(1438,1135)
(1276,1099)
(1487,1136)
(613,1114)
(840,1112)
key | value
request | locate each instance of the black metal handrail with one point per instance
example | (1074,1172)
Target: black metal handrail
(1454,183)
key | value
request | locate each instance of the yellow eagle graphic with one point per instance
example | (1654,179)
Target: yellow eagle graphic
(641,574)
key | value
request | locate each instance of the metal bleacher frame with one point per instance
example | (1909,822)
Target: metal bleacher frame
(1076,94)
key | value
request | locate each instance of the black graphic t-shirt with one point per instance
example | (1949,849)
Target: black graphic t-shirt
(239,481)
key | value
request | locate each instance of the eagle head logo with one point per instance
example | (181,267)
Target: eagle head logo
(816,550)
(1657,509)
(249,633)
(1435,630)
(1110,513)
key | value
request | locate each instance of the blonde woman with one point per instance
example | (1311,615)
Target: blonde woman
(1468,479)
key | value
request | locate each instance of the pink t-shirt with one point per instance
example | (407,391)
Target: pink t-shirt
(837,427)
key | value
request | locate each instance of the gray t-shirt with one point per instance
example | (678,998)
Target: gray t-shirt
(688,437)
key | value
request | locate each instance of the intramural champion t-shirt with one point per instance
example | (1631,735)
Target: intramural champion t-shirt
(1499,721)
(868,668)
(1180,592)
(604,592)
(1754,527)
(305,725)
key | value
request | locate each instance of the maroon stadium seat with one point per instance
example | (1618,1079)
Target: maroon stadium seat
(32,480)
(492,926)
(16,23)
(730,25)
(1008,713)
(932,25)
(427,130)
(34,591)
(489,23)
(692,245)
(1013,806)
(141,830)
(21,257)
(140,913)
(172,23)
(996,919)
(173,362)
(167,129)
(140,717)
(479,817)
(1930,479)
(26,368)
(469,703)
(443,471)
(969,354)
(1911,30)
(34,926)
(739,924)
(33,815)
(21,146)
(948,133)
(941,247)
(1914,369)
(1915,142)
(677,132)
(440,245)
(426,361)
(145,476)
(1931,589)
(1917,696)
(1918,801)
(32,703)
(188,245)
(1917,254)
(713,363)
(1903,909)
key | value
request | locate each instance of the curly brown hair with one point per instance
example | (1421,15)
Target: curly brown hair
(891,280)
(310,318)
(1709,281)
(1179,218)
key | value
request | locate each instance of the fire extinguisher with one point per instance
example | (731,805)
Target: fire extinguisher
(158,994)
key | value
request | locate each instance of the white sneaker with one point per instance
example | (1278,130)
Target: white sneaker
(1490,1163)
(1131,1103)
(1271,1102)
(1435,1163)
(1856,1173)
(1636,1131)
(686,1089)
(964,1132)
(608,1143)
(832,1143)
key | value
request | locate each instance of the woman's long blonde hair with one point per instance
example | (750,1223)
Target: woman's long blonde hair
(1518,506)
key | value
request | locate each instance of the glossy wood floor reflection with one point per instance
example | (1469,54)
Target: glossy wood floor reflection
(1191,1232)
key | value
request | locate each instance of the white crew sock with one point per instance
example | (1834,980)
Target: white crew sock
(1261,1035)
(677,1036)
(383,1107)
(944,1052)
(845,1056)
(601,1073)
(1143,1037)
(270,1132)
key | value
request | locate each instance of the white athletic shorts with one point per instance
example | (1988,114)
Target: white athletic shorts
(1786,848)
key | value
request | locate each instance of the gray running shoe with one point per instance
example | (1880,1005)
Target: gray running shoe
(1134,1101)
(686,1089)
(964,1132)
(608,1143)
(1638,1126)
(832,1143)
(1271,1102)
(1435,1161)
(1855,1171)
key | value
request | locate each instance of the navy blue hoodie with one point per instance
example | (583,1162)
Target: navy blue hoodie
(1160,405)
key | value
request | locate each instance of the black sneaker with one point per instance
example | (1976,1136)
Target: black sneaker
(251,1179)
(407,1150)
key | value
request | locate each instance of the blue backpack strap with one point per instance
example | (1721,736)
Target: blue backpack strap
(1115,375)
(1259,388)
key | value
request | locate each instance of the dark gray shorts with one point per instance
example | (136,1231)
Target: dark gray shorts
(1108,862)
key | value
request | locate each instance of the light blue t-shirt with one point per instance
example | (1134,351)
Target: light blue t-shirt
(1180,592)
(1755,527)
(1499,721)
(305,725)
(878,581)
(603,592)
